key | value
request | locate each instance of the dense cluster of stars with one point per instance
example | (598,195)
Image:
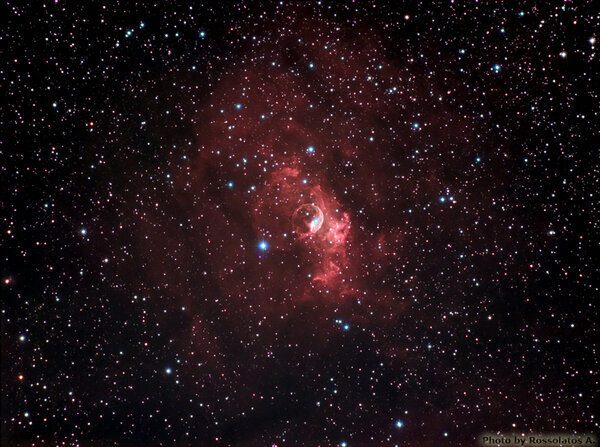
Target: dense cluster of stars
(351,224)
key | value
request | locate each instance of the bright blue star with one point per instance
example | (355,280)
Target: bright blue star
(168,370)
(497,68)
(346,327)
(263,245)
(230,185)
(442,199)
(399,424)
(202,34)
(238,106)
(310,149)
(415,125)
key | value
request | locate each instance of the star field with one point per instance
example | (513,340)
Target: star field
(299,223)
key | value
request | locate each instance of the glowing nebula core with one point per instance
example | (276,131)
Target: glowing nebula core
(307,219)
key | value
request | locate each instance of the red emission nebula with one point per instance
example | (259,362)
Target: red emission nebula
(282,234)
(278,220)
(306,212)
(277,162)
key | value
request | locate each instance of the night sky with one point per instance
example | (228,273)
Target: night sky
(298,224)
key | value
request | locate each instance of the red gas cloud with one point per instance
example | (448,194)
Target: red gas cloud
(296,197)
(300,216)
